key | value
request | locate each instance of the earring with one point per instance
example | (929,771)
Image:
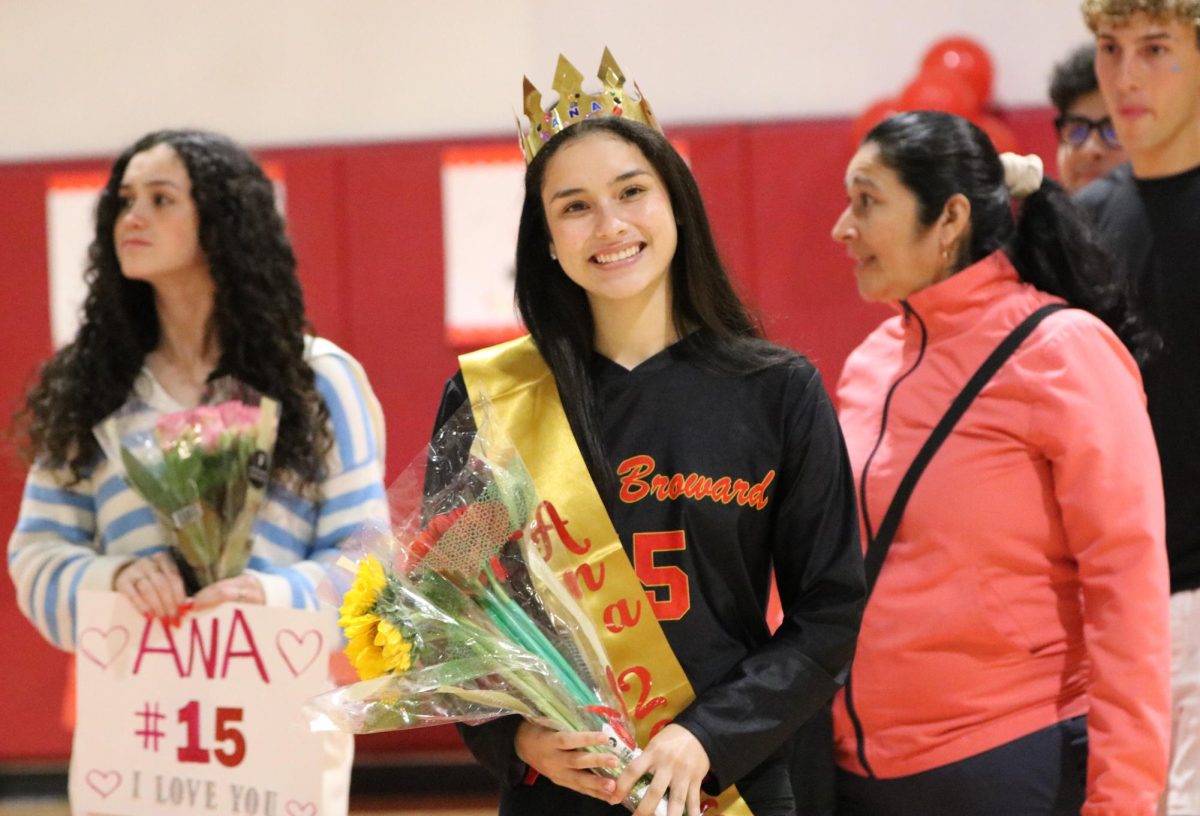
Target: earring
(553,257)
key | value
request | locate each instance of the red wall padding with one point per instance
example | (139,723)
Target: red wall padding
(366,223)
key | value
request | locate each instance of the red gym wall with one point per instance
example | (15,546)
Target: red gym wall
(366,224)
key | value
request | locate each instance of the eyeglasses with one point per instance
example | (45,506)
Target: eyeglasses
(1074,130)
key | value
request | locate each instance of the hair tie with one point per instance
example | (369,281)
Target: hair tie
(1022,174)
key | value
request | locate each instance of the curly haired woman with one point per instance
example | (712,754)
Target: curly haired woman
(191,276)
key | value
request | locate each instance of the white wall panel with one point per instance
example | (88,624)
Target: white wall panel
(86,77)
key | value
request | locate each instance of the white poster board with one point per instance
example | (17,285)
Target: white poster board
(70,224)
(201,718)
(482,191)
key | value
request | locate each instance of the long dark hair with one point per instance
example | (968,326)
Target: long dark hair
(258,315)
(1050,242)
(723,332)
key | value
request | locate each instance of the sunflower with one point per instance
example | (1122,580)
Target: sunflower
(363,594)
(377,646)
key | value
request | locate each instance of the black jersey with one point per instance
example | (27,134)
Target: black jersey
(720,479)
(1151,225)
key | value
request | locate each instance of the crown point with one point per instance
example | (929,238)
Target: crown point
(567,78)
(610,73)
(533,100)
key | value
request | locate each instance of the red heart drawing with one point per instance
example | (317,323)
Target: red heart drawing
(295,808)
(104,783)
(102,646)
(299,651)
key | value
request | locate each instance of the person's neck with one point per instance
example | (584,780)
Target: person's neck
(1179,154)
(629,333)
(188,350)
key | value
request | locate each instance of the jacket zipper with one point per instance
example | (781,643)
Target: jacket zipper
(859,735)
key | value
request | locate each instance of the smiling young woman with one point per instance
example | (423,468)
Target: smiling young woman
(614,235)
(641,355)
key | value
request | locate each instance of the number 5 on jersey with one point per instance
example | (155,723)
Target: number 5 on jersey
(667,587)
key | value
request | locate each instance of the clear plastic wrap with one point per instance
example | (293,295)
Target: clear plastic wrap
(456,617)
(203,471)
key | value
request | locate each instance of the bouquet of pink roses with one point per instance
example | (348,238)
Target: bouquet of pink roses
(204,472)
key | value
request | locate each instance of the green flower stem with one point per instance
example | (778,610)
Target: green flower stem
(544,697)
(528,635)
(532,640)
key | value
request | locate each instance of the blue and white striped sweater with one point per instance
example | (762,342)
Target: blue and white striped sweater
(77,537)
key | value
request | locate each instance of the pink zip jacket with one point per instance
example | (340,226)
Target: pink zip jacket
(1027,582)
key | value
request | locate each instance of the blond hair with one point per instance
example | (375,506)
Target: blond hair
(1117,12)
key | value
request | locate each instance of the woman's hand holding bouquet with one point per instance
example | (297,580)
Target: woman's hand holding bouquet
(204,473)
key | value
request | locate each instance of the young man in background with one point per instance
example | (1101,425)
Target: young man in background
(1148,67)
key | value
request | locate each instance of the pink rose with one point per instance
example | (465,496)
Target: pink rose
(239,417)
(209,426)
(171,428)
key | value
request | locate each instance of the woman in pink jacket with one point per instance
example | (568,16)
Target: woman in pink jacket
(1014,653)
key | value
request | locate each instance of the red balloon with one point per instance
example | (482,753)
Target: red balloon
(968,59)
(1002,136)
(875,113)
(940,89)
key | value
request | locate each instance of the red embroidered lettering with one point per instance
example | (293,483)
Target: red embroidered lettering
(589,577)
(638,481)
(658,486)
(632,471)
(676,486)
(720,490)
(670,598)
(739,491)
(645,703)
(546,509)
(571,582)
(586,574)
(757,495)
(618,617)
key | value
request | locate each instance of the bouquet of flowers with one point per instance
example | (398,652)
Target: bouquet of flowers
(456,617)
(203,471)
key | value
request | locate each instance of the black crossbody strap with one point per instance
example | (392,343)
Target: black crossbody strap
(878,546)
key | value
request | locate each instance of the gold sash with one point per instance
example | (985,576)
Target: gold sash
(584,548)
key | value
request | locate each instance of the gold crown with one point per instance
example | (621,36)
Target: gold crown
(575,105)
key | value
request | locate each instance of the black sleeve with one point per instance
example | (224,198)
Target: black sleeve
(454,396)
(818,565)
(447,453)
(493,742)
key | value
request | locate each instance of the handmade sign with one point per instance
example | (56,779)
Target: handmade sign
(200,717)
